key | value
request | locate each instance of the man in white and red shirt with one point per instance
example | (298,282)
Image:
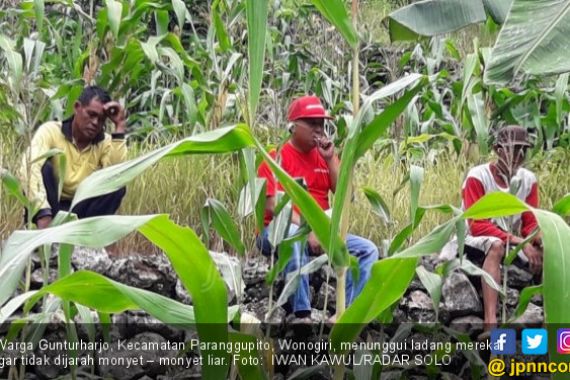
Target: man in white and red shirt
(310,155)
(490,236)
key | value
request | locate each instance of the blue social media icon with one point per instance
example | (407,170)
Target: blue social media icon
(534,341)
(503,341)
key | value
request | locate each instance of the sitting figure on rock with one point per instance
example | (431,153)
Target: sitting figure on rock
(309,155)
(486,240)
(87,148)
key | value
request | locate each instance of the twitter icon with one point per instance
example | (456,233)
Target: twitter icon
(534,341)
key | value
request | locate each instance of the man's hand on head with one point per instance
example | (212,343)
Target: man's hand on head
(43,222)
(326,148)
(116,112)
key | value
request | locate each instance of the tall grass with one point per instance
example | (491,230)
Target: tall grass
(180,187)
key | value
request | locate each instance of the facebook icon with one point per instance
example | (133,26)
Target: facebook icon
(503,341)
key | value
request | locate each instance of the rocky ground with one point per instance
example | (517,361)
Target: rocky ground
(460,308)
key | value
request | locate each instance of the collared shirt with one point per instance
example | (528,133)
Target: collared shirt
(105,150)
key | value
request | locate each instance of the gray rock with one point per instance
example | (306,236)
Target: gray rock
(328,292)
(513,297)
(459,295)
(131,323)
(419,306)
(95,260)
(255,270)
(36,261)
(260,310)
(533,315)
(469,324)
(537,300)
(37,279)
(153,273)
(518,278)
(181,294)
(416,284)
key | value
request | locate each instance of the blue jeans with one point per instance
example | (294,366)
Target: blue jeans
(363,249)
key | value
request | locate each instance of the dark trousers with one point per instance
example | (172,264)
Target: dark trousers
(107,204)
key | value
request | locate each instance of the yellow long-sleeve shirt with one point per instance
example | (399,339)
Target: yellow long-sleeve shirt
(105,150)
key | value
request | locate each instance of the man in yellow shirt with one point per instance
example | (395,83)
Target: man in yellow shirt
(87,148)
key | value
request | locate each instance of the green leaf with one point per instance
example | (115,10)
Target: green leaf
(416,179)
(562,207)
(39,8)
(495,205)
(534,40)
(161,20)
(199,275)
(556,281)
(433,17)
(14,188)
(379,207)
(180,10)
(224,224)
(380,124)
(114,177)
(246,206)
(429,244)
(256,28)
(433,283)
(15,62)
(95,232)
(498,9)
(388,282)
(114,12)
(356,145)
(335,12)
(221,32)
(292,281)
(476,106)
(246,359)
(524,299)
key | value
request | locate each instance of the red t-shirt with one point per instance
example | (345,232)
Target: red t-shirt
(310,166)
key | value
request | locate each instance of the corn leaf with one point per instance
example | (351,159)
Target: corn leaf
(180,11)
(388,282)
(355,147)
(199,275)
(562,207)
(256,28)
(114,177)
(224,224)
(95,232)
(433,283)
(114,12)
(335,12)
(379,207)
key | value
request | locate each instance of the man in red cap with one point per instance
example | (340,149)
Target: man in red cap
(309,155)
(486,240)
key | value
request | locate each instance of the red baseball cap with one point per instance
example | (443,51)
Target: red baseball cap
(307,107)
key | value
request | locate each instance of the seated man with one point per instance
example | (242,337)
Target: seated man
(486,240)
(87,148)
(310,155)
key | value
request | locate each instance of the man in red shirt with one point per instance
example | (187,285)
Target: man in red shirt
(488,238)
(310,155)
